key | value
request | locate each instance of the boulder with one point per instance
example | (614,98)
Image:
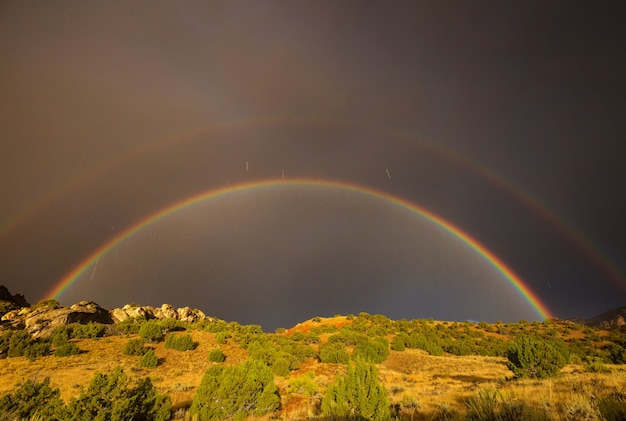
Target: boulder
(169,312)
(41,321)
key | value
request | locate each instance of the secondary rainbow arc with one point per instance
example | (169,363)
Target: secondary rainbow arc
(534,301)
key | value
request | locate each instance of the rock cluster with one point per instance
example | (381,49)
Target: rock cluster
(43,318)
(166,311)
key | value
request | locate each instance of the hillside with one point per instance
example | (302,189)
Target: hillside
(428,369)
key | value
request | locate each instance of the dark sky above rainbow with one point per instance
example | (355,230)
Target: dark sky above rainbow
(268,162)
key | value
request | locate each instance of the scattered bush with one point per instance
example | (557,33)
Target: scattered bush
(112,397)
(333,353)
(149,359)
(18,343)
(151,331)
(533,358)
(217,356)
(222,337)
(66,350)
(358,395)
(375,351)
(235,392)
(90,330)
(398,343)
(304,385)
(179,342)
(32,399)
(135,347)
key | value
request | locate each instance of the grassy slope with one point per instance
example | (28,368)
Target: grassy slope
(434,381)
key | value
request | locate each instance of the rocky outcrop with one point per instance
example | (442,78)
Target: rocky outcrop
(166,311)
(10,303)
(41,321)
(608,319)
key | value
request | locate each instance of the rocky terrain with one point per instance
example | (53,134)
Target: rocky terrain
(40,320)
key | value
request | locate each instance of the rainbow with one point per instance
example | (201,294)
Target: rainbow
(540,308)
(575,236)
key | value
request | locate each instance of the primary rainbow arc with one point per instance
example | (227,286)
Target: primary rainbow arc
(540,308)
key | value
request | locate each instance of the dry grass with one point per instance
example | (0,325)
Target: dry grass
(178,373)
(435,382)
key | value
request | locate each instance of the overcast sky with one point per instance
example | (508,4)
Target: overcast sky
(505,119)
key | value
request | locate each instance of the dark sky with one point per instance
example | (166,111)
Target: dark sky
(506,119)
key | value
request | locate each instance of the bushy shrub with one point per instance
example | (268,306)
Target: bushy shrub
(304,385)
(222,337)
(18,343)
(217,356)
(32,399)
(90,330)
(113,397)
(179,342)
(60,335)
(358,395)
(151,331)
(149,359)
(333,353)
(129,326)
(534,358)
(66,350)
(399,343)
(134,347)
(235,392)
(375,351)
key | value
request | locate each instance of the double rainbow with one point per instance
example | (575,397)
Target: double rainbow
(540,308)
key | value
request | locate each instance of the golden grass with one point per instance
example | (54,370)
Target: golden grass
(444,381)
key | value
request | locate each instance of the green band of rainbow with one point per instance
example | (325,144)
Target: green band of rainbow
(512,278)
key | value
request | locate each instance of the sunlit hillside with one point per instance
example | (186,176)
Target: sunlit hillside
(429,369)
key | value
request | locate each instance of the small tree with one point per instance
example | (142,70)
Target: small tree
(32,399)
(333,353)
(151,331)
(112,397)
(235,392)
(134,347)
(149,359)
(179,342)
(357,396)
(66,350)
(534,358)
(217,356)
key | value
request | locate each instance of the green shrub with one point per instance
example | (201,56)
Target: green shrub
(179,342)
(129,326)
(113,397)
(304,385)
(53,304)
(149,359)
(18,343)
(135,347)
(32,399)
(66,350)
(60,335)
(358,395)
(217,356)
(375,351)
(333,353)
(398,343)
(533,358)
(90,330)
(151,331)
(235,392)
(222,337)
